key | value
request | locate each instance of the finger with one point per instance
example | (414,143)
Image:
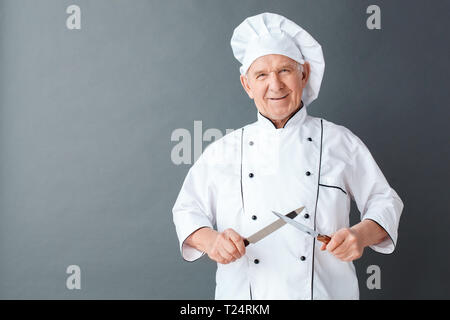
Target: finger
(223,261)
(218,258)
(237,240)
(324,247)
(341,248)
(336,240)
(240,247)
(233,235)
(226,257)
(229,248)
(347,257)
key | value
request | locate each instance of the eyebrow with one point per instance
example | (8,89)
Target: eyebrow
(286,65)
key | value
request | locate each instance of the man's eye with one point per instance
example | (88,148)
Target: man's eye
(260,75)
(284,70)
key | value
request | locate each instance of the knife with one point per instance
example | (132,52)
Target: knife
(264,232)
(323,238)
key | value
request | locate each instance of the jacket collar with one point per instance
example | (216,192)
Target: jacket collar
(295,120)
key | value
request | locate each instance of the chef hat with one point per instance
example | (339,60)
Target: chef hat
(269,33)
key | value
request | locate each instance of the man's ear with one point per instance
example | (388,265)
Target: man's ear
(246,86)
(306,72)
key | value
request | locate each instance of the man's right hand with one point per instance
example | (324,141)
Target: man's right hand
(222,247)
(227,247)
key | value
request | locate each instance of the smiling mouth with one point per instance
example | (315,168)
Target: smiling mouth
(281,98)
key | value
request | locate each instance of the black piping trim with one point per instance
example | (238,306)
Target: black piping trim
(315,210)
(269,120)
(387,234)
(242,190)
(242,198)
(324,185)
(287,119)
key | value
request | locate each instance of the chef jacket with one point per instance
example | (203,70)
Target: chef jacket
(239,179)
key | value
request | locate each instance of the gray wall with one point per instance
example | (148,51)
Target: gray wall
(86,118)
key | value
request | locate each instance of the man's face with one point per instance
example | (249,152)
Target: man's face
(276,84)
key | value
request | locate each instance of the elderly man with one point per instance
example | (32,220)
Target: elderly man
(283,161)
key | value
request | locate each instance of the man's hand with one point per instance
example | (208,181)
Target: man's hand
(227,247)
(222,247)
(345,244)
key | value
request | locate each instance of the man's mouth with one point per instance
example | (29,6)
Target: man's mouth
(280,98)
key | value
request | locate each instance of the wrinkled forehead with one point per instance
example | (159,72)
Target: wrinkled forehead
(271,62)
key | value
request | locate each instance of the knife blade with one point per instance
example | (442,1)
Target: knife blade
(323,238)
(277,224)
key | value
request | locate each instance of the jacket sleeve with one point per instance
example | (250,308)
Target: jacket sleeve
(194,207)
(374,197)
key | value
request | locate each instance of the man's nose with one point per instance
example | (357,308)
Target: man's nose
(275,83)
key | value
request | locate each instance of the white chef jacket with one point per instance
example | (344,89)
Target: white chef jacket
(310,162)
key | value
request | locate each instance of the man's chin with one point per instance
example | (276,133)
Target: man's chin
(280,113)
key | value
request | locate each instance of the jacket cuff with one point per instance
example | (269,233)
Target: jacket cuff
(387,246)
(189,253)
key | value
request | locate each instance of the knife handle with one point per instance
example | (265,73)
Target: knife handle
(246,243)
(323,238)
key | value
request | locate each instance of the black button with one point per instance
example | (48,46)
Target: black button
(250,143)
(256,261)
(309,139)
(308,173)
(306,216)
(303,258)
(254,217)
(251,175)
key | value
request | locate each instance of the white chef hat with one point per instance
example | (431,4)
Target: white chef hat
(270,33)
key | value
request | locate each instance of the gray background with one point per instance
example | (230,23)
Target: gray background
(86,117)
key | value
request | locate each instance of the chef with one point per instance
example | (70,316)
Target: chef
(285,160)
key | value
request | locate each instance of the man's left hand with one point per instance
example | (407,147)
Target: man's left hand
(345,244)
